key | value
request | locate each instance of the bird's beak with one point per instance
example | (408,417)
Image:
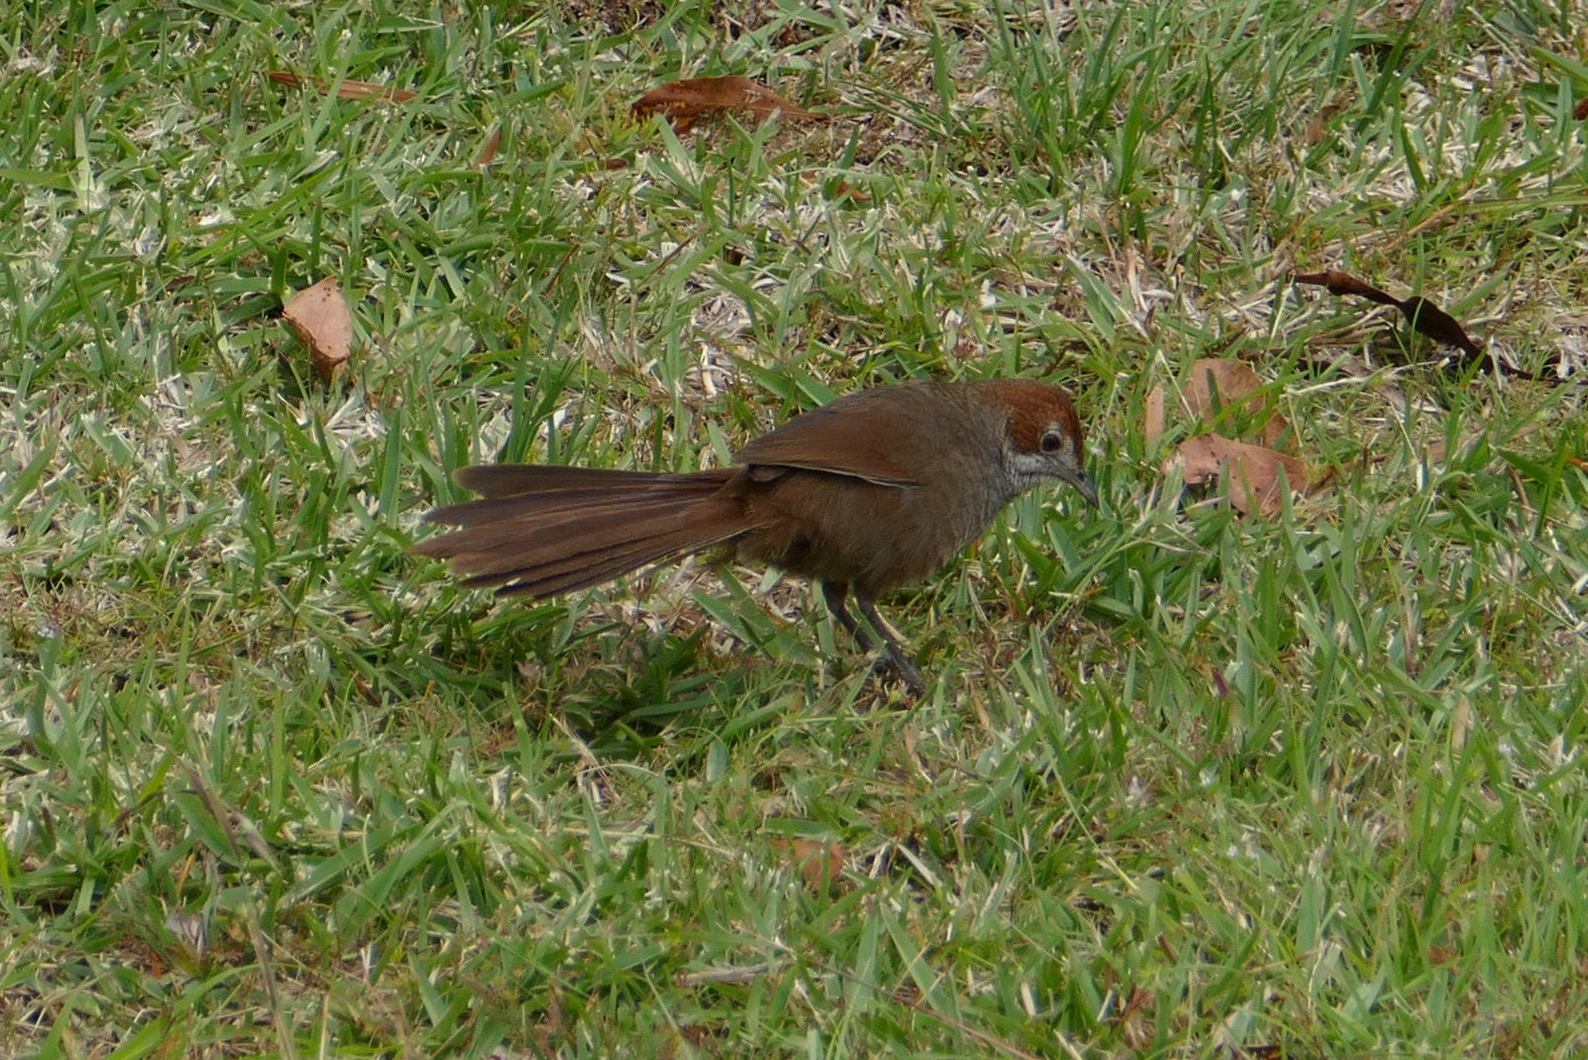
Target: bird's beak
(1084,487)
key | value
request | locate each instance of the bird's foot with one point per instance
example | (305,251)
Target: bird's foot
(901,666)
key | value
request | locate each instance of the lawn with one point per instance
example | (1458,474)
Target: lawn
(1187,781)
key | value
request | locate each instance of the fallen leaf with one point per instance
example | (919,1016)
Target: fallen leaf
(1217,384)
(1318,127)
(320,318)
(1256,477)
(1229,381)
(492,144)
(819,862)
(344,89)
(1438,325)
(1424,317)
(684,102)
(1213,386)
(1344,283)
(1154,416)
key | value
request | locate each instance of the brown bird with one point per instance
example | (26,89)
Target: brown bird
(873,491)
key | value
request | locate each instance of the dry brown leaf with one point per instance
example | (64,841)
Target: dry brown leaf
(1421,314)
(320,317)
(1252,473)
(1214,385)
(1228,381)
(685,102)
(1154,416)
(1438,325)
(1339,282)
(493,143)
(1318,127)
(344,89)
(819,862)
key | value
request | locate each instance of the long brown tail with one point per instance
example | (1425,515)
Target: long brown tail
(543,529)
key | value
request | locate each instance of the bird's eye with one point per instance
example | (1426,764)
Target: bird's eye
(1052,442)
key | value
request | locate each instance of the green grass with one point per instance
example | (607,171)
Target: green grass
(1184,783)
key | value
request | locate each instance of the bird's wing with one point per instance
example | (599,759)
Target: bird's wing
(858,436)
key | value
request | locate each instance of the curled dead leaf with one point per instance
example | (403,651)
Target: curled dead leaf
(1438,325)
(685,102)
(1337,282)
(320,318)
(1255,477)
(1425,317)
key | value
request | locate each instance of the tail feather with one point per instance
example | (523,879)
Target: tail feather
(552,507)
(583,571)
(535,529)
(496,550)
(546,530)
(509,490)
(517,480)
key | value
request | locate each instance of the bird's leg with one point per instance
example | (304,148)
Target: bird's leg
(834,593)
(905,665)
